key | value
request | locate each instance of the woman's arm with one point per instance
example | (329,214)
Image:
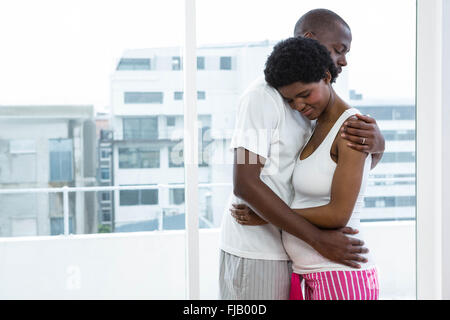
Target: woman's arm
(248,186)
(344,190)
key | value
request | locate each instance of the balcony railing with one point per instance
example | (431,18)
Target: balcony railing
(66,190)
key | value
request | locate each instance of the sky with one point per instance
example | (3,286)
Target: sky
(64,51)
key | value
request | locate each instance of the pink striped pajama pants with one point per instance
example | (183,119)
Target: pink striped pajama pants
(336,285)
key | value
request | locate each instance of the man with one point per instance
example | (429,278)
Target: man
(267,139)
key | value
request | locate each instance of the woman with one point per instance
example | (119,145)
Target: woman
(329,177)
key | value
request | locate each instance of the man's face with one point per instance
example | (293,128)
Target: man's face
(338,42)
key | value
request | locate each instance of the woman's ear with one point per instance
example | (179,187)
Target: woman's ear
(327,78)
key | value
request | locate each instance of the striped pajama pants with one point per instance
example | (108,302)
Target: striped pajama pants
(335,285)
(253,279)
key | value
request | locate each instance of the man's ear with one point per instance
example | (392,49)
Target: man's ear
(309,35)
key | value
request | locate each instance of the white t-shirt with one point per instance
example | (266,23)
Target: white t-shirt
(267,126)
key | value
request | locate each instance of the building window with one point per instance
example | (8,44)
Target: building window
(204,143)
(390,157)
(134,64)
(176,63)
(149,197)
(390,112)
(129,197)
(133,158)
(140,128)
(393,135)
(176,157)
(106,135)
(105,153)
(61,162)
(225,63)
(106,196)
(170,121)
(383,202)
(178,95)
(104,174)
(176,196)
(57,226)
(201,95)
(143,97)
(200,63)
(106,215)
(138,197)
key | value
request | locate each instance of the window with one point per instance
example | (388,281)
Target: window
(389,198)
(390,135)
(138,197)
(204,147)
(200,63)
(140,128)
(149,197)
(201,95)
(176,159)
(390,112)
(106,196)
(142,157)
(399,201)
(205,142)
(134,64)
(57,126)
(178,95)
(225,63)
(57,226)
(105,174)
(176,63)
(143,97)
(177,196)
(170,121)
(105,154)
(106,216)
(129,197)
(398,157)
(61,166)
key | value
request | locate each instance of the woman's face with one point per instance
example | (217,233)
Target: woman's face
(310,99)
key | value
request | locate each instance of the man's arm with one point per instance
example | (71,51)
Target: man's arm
(332,244)
(364,135)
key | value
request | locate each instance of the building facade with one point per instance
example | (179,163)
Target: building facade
(46,147)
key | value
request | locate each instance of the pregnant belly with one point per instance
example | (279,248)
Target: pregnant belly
(304,257)
(301,253)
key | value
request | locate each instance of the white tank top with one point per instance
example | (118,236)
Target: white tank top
(312,180)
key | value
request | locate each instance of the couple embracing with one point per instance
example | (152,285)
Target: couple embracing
(302,157)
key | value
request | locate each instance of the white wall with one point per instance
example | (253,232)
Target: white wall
(151,265)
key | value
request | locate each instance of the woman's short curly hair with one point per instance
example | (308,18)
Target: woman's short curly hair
(298,59)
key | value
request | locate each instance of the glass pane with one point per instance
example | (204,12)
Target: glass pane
(235,56)
(87,107)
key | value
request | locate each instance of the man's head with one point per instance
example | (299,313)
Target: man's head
(330,30)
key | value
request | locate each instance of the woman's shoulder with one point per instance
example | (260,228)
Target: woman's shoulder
(351,111)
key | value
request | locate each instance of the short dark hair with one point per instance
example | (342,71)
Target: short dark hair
(298,59)
(318,21)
